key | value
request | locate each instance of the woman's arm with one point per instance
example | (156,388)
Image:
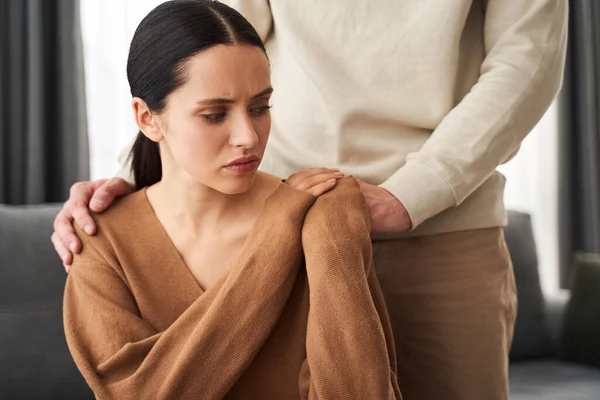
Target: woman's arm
(350,349)
(203,353)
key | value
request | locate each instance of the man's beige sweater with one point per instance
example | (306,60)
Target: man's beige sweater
(422,97)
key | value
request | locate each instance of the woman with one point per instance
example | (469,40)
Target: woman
(198,285)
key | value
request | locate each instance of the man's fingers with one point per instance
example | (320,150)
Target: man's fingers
(62,250)
(69,240)
(81,192)
(83,219)
(108,192)
(65,242)
(62,221)
(318,171)
(298,177)
(64,232)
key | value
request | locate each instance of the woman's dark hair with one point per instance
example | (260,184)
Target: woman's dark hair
(164,41)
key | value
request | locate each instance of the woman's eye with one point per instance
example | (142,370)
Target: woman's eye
(214,118)
(258,111)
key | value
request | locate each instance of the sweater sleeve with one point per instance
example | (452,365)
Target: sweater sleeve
(200,356)
(349,345)
(525,43)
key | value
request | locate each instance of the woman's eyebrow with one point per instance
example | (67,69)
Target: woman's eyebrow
(265,92)
(230,101)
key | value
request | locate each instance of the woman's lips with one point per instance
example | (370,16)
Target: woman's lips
(243,168)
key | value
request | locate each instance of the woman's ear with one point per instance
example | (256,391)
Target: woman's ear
(146,120)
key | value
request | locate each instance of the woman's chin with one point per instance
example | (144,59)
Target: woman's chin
(237,185)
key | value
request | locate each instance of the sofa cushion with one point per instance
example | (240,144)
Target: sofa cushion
(531,337)
(31,271)
(553,380)
(34,359)
(580,341)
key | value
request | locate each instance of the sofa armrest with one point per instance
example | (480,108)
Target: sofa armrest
(556,304)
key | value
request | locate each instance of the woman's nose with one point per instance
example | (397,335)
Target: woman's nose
(244,134)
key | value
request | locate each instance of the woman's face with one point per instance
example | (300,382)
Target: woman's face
(215,127)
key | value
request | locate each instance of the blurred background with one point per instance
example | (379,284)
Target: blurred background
(65,116)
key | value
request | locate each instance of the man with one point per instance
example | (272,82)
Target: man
(421,100)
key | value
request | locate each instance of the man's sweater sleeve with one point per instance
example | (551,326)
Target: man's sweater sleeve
(525,44)
(125,171)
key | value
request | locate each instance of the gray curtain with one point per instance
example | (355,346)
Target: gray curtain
(43,127)
(579,138)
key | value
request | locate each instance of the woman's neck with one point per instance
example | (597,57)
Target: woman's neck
(198,210)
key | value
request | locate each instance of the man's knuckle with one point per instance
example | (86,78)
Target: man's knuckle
(77,187)
(304,186)
(112,182)
(58,222)
(76,206)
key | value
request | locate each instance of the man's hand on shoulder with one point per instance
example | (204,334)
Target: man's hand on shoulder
(96,196)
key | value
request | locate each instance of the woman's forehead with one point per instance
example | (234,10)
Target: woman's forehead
(227,69)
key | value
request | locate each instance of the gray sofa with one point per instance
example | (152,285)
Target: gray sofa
(35,362)
(536,371)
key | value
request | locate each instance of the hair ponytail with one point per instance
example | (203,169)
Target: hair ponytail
(145,161)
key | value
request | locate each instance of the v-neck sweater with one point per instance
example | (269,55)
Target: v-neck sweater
(300,316)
